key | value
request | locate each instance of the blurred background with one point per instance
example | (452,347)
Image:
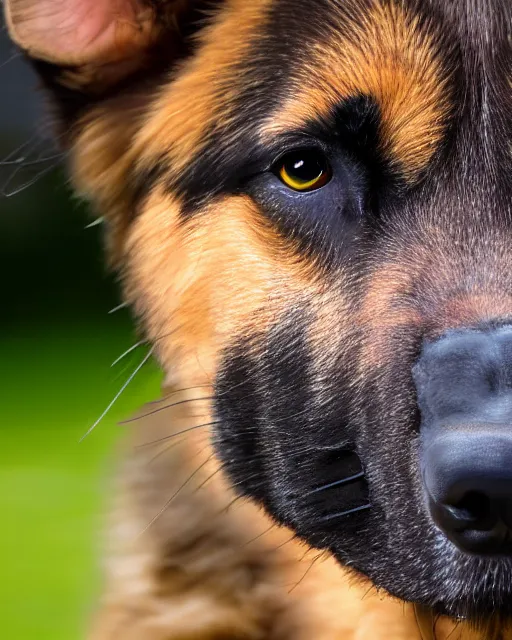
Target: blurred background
(58,339)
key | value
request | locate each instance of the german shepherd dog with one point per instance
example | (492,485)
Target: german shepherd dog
(309,206)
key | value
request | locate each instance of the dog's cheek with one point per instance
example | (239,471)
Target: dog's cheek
(283,401)
(200,280)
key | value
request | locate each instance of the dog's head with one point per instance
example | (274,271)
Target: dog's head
(309,203)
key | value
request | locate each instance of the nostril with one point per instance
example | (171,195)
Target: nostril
(467,475)
(463,382)
(473,511)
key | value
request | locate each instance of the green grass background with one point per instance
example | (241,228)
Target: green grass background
(57,342)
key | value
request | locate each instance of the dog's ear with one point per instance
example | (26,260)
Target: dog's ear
(101,63)
(92,45)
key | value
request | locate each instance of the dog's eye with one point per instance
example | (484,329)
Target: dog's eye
(305,170)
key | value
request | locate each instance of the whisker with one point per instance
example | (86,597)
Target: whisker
(122,305)
(118,394)
(12,57)
(260,535)
(368,591)
(286,541)
(28,183)
(239,496)
(174,393)
(249,477)
(168,448)
(29,145)
(456,626)
(168,406)
(340,514)
(307,571)
(128,351)
(29,163)
(231,503)
(180,488)
(178,433)
(140,343)
(95,223)
(209,478)
(35,146)
(424,622)
(434,626)
(337,483)
(146,342)
(165,450)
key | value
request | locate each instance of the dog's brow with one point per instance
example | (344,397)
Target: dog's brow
(212,79)
(390,56)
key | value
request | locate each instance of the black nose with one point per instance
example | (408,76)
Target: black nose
(464,387)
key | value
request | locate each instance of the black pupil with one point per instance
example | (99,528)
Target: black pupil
(305,167)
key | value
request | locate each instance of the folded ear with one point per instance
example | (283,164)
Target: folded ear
(97,43)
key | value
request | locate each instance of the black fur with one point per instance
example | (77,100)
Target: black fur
(465,197)
(297,418)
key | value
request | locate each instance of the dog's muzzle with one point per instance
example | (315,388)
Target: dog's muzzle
(464,386)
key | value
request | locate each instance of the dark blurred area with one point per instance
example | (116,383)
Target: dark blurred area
(54,265)
(58,341)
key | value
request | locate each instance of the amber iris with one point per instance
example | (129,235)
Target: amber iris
(305,170)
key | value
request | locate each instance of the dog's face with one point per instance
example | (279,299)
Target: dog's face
(309,202)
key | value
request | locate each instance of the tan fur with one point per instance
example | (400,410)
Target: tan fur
(408,83)
(204,567)
(224,273)
(126,133)
(176,124)
(389,303)
(101,162)
(187,559)
(194,562)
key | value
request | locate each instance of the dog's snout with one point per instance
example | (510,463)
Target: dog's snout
(467,473)
(464,388)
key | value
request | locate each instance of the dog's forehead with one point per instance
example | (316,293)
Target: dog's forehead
(421,55)
(269,67)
